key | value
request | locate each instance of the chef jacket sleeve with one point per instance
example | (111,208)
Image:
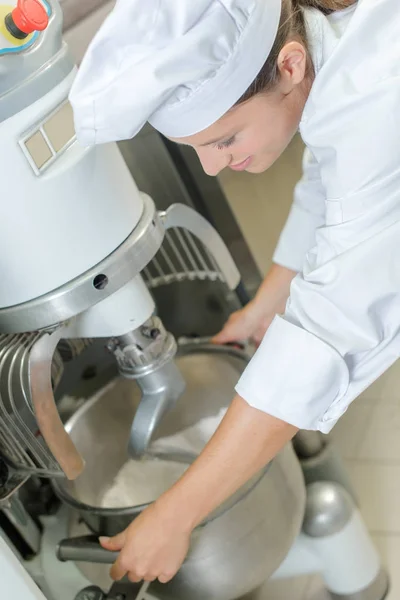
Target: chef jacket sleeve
(306,215)
(341,329)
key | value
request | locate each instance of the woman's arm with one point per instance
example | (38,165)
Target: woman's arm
(156,543)
(245,442)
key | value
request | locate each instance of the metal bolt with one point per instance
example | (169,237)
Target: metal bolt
(112,345)
(151,332)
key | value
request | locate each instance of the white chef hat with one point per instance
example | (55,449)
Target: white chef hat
(179,64)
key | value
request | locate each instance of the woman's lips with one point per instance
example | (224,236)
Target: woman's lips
(242,166)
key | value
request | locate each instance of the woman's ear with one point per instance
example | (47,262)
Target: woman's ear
(292,66)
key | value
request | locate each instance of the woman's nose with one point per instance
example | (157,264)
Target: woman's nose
(213,160)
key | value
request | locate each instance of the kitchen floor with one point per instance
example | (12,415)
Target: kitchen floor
(368,436)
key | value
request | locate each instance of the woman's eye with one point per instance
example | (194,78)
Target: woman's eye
(226,144)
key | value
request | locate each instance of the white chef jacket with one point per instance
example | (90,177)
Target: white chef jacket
(341,329)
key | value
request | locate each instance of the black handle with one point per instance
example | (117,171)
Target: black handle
(242,294)
(85,549)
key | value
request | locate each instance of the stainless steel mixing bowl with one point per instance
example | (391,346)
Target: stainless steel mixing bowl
(241,544)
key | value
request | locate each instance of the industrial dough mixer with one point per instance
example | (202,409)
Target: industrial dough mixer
(80,248)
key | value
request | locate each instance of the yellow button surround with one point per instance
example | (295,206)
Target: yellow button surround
(5,10)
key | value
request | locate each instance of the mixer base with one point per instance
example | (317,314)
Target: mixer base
(378,590)
(57,580)
(336,544)
(320,460)
(344,556)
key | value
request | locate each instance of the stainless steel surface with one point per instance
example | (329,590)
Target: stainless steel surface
(48,419)
(26,527)
(147,355)
(328,509)
(33,440)
(160,391)
(26,404)
(143,350)
(85,549)
(23,79)
(181,258)
(307,444)
(127,261)
(377,591)
(11,481)
(325,465)
(80,294)
(185,268)
(179,216)
(246,539)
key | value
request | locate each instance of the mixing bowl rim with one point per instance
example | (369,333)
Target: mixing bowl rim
(135,511)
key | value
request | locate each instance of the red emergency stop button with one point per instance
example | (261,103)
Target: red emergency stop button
(27,17)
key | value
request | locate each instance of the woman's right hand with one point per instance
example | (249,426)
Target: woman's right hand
(251,323)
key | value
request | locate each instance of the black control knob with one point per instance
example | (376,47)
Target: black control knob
(91,593)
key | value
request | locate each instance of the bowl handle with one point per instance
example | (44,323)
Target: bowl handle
(85,549)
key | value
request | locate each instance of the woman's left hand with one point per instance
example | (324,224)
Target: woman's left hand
(154,546)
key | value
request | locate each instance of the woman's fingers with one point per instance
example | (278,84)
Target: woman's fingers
(120,568)
(236,329)
(165,577)
(115,543)
(134,578)
(152,547)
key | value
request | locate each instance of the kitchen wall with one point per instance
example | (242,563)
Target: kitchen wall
(82,19)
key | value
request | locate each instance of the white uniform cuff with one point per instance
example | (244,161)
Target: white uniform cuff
(296,377)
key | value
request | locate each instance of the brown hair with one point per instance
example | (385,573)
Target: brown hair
(292,26)
(326,5)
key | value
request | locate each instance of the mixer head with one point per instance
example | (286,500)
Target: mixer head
(32,437)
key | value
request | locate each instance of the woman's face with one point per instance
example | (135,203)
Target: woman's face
(252,135)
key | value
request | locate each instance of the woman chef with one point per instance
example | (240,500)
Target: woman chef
(236,79)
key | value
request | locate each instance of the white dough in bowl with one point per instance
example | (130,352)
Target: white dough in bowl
(143,481)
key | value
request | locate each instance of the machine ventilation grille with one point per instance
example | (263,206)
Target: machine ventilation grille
(182,257)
